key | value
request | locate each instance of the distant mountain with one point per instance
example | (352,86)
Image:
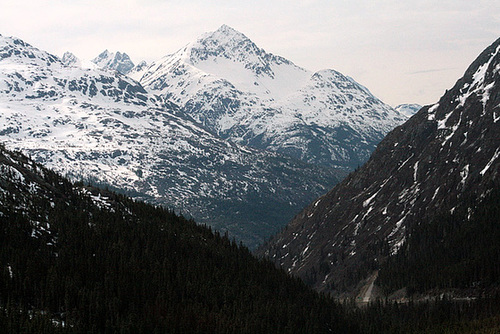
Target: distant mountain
(242,93)
(118,61)
(80,259)
(98,125)
(443,161)
(70,59)
(408,109)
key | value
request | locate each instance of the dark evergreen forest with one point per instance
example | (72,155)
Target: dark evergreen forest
(78,259)
(455,251)
(69,265)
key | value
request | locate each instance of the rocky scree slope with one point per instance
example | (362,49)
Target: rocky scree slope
(97,125)
(438,160)
(232,87)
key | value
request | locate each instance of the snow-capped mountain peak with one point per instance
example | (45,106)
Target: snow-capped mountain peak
(222,38)
(227,47)
(228,56)
(69,59)
(118,61)
(18,51)
(103,58)
(245,94)
(225,42)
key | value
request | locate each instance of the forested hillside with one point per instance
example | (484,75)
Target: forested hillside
(77,259)
(459,250)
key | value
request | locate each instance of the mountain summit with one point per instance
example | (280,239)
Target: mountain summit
(445,159)
(227,44)
(118,61)
(232,87)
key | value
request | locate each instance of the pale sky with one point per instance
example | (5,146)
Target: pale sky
(403,51)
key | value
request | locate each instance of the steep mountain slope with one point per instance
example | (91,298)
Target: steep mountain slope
(102,126)
(237,90)
(76,259)
(456,252)
(408,109)
(445,157)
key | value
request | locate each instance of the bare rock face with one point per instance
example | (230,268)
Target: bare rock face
(445,154)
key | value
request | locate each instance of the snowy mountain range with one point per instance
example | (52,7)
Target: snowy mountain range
(99,125)
(237,90)
(106,60)
(446,158)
